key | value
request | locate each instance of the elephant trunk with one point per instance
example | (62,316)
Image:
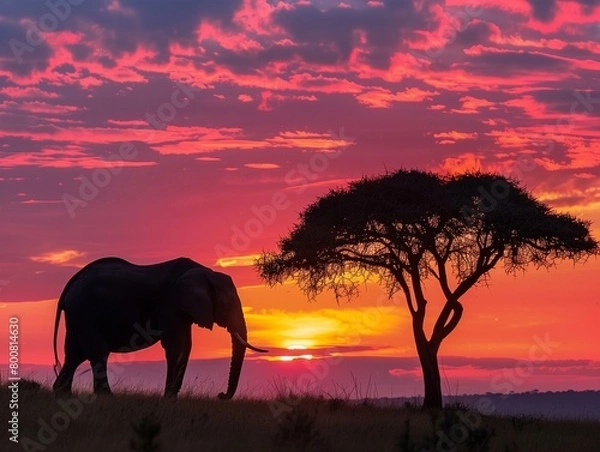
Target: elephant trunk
(239,342)
(237,359)
(238,351)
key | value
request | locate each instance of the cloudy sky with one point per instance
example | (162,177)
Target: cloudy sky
(154,129)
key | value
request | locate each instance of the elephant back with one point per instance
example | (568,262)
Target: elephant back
(178,268)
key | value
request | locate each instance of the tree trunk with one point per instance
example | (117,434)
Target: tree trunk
(431,372)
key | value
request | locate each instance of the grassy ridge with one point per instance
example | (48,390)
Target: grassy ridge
(143,422)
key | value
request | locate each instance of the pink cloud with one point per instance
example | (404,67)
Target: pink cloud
(515,6)
(569,15)
(384,98)
(255,16)
(38,107)
(493,122)
(308,140)
(530,106)
(324,183)
(227,38)
(465,162)
(454,136)
(106,135)
(128,123)
(472,105)
(270,100)
(62,257)
(41,201)
(27,92)
(261,165)
(70,156)
(580,156)
(245,98)
(207,144)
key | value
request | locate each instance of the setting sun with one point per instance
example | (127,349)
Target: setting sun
(297,347)
(293,358)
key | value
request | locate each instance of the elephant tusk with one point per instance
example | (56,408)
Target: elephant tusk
(241,339)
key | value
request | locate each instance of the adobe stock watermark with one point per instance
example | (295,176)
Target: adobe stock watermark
(509,379)
(505,381)
(48,430)
(71,408)
(500,189)
(13,378)
(564,124)
(59,11)
(89,187)
(298,179)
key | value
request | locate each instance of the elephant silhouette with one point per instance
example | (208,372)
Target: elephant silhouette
(114,306)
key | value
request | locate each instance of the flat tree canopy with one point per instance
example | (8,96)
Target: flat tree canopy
(409,226)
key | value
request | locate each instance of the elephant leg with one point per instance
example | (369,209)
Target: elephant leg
(100,370)
(177,350)
(73,359)
(96,351)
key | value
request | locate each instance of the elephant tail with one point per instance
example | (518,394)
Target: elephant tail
(59,309)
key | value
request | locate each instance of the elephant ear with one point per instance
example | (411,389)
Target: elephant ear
(194,294)
(228,308)
(224,291)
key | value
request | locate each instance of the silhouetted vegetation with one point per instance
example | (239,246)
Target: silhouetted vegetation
(297,430)
(189,424)
(146,433)
(27,384)
(408,443)
(526,421)
(406,227)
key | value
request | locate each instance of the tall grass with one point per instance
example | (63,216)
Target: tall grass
(290,422)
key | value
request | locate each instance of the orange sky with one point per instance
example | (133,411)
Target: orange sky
(203,133)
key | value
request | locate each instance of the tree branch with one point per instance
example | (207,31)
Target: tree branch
(443,276)
(472,279)
(404,285)
(445,324)
(418,290)
(441,332)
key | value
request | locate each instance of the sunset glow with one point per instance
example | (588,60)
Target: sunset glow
(203,129)
(292,358)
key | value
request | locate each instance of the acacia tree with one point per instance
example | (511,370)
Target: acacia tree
(406,227)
